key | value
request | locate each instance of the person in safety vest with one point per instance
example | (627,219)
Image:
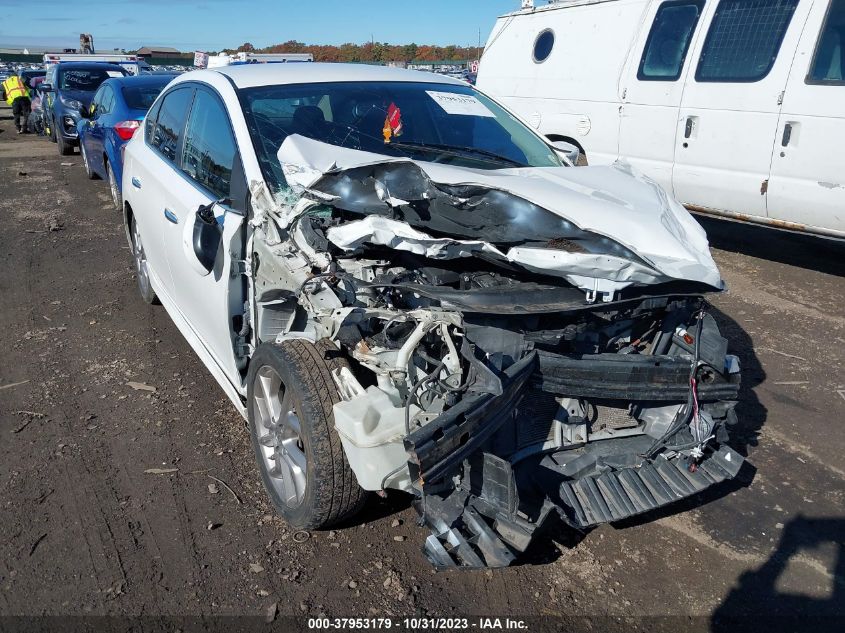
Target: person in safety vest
(17,96)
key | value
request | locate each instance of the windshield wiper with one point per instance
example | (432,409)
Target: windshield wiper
(457,151)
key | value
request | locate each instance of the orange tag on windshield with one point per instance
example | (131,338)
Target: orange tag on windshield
(392,123)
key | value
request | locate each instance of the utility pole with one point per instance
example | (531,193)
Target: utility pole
(478,48)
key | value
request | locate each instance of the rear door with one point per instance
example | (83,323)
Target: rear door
(654,87)
(209,169)
(150,176)
(807,183)
(729,111)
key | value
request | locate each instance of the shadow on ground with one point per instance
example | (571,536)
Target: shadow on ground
(756,603)
(825,255)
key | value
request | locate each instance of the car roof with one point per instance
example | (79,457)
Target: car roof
(142,80)
(253,75)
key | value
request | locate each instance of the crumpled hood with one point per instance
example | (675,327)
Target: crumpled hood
(606,202)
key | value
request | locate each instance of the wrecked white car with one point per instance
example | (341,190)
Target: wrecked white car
(402,286)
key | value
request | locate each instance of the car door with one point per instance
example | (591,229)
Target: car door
(212,303)
(730,107)
(654,86)
(95,132)
(807,182)
(150,178)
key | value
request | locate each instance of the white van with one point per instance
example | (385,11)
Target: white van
(737,107)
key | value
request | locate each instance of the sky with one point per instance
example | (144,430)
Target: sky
(216,24)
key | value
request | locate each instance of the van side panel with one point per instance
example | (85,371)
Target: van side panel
(807,183)
(592,43)
(649,120)
(727,125)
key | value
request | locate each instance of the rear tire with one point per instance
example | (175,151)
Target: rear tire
(116,197)
(88,171)
(142,271)
(302,463)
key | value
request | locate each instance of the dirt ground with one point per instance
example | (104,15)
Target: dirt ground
(87,530)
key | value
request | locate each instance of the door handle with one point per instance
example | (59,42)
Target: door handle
(689,126)
(787,135)
(136,183)
(171,217)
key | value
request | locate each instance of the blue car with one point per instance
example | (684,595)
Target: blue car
(116,111)
(68,88)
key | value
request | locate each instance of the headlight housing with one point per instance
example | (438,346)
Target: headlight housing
(73,104)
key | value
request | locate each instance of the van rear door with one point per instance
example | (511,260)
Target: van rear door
(807,183)
(654,86)
(729,111)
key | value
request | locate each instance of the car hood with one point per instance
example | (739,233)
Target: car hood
(602,228)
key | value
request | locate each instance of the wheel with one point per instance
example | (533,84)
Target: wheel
(65,148)
(142,270)
(289,402)
(88,171)
(116,198)
(51,129)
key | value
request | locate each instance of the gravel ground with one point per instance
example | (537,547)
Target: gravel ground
(113,438)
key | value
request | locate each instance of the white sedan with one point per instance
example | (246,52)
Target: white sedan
(402,286)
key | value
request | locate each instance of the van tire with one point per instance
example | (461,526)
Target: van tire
(298,373)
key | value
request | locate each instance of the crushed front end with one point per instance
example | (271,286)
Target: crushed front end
(503,371)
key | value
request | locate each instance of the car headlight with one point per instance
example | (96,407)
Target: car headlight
(73,104)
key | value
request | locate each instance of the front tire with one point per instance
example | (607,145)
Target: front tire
(302,463)
(142,270)
(65,148)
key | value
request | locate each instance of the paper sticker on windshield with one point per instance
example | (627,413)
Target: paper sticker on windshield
(460,104)
(114,73)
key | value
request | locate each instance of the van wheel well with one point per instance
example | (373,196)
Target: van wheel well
(582,158)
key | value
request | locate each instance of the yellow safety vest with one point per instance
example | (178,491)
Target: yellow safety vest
(14,88)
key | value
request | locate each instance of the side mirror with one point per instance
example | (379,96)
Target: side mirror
(567,151)
(207,235)
(87,113)
(45,87)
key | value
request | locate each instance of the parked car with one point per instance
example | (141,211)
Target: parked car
(736,108)
(116,111)
(28,75)
(401,286)
(69,88)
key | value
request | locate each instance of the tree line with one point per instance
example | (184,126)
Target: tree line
(369,52)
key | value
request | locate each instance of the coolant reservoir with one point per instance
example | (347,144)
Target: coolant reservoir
(371,429)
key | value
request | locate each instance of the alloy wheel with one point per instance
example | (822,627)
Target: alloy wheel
(279,434)
(141,267)
(115,192)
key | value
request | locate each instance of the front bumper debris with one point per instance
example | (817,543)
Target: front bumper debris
(483,528)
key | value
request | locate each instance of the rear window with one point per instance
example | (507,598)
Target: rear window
(86,80)
(171,122)
(829,60)
(141,97)
(669,40)
(744,39)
